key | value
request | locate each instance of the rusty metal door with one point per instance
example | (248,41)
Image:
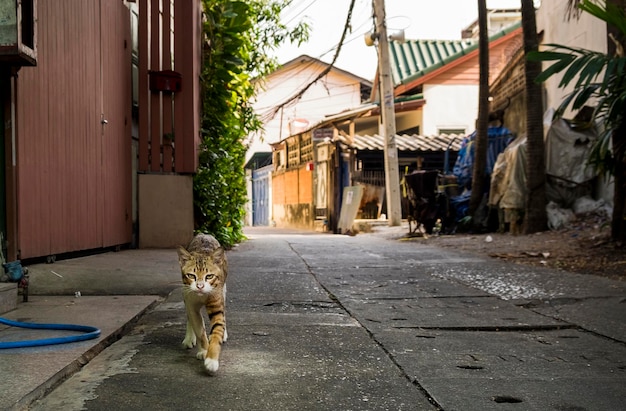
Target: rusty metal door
(116,93)
(74,137)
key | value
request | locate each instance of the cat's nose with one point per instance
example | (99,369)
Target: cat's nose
(200,285)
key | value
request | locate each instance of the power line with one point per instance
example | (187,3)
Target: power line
(354,36)
(300,12)
(325,71)
(309,100)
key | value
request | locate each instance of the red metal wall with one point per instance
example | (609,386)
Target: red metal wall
(73,172)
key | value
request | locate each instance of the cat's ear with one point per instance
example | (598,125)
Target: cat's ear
(219,256)
(183,255)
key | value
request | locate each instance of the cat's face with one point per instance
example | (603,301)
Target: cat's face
(201,274)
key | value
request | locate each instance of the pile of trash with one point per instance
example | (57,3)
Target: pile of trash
(585,211)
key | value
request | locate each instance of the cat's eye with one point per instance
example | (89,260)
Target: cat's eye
(208,277)
(191,277)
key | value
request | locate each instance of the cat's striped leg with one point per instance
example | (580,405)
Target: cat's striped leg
(216,338)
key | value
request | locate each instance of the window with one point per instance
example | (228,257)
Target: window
(17,33)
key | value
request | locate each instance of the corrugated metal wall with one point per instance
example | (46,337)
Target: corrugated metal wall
(74,173)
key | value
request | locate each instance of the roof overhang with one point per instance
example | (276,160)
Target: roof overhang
(258,159)
(408,143)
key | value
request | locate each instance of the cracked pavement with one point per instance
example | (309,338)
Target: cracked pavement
(319,321)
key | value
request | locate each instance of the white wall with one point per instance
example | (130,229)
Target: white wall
(334,93)
(449,106)
(586,32)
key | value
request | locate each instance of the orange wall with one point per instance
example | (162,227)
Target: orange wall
(465,70)
(293,187)
(468,71)
(292,196)
(305,186)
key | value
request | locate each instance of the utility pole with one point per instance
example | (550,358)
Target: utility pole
(388,117)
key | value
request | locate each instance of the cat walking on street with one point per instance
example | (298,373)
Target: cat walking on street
(204,269)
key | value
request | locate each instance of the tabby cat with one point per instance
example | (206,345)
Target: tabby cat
(204,269)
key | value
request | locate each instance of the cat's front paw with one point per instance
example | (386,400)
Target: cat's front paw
(189,342)
(211,365)
(201,354)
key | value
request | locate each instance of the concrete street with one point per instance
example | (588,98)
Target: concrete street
(330,322)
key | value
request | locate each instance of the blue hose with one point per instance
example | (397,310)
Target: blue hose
(90,333)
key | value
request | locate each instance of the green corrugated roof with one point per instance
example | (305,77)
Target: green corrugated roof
(414,58)
(420,56)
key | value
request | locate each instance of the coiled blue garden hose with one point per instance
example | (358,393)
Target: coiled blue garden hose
(90,333)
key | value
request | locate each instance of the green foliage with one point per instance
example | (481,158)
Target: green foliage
(239,36)
(597,78)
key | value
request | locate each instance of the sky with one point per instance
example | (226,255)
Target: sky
(420,19)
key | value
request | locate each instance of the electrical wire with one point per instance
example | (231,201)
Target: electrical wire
(90,333)
(324,72)
(357,34)
(294,6)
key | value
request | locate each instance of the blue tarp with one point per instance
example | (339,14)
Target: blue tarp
(499,138)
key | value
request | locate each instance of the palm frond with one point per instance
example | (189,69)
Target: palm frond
(610,13)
